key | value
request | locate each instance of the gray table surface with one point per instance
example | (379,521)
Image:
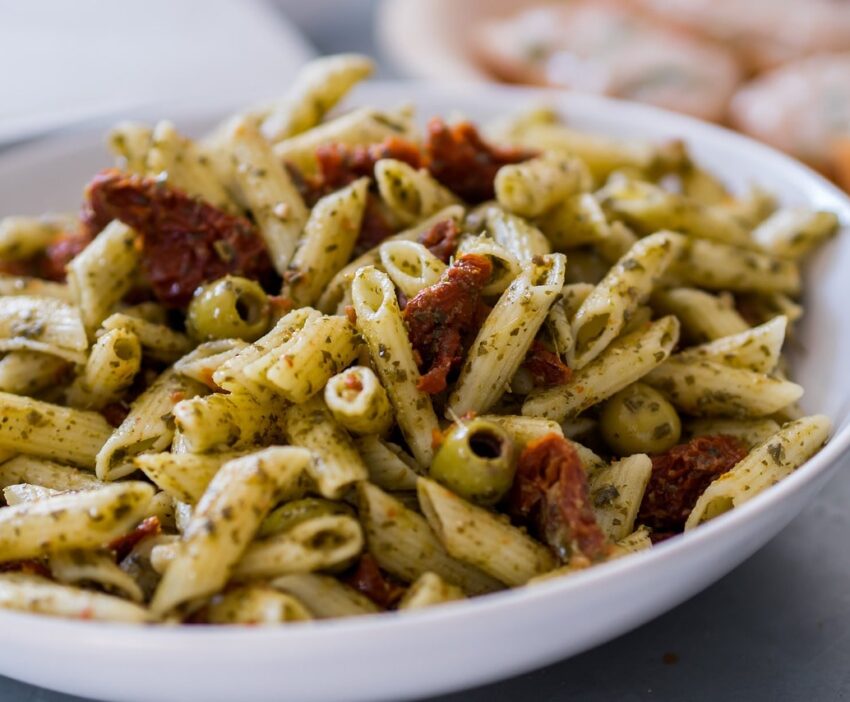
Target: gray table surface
(776,628)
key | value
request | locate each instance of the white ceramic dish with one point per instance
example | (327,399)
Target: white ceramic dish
(394,656)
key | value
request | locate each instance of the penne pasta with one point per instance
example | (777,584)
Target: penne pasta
(255,605)
(30,372)
(44,324)
(615,300)
(379,321)
(321,85)
(268,191)
(405,546)
(521,239)
(113,362)
(325,597)
(793,233)
(44,473)
(32,593)
(326,243)
(506,335)
(103,273)
(232,422)
(428,590)
(616,493)
(337,464)
(51,431)
(149,426)
(764,465)
(80,520)
(410,266)
(321,543)
(533,187)
(709,388)
(358,401)
(703,316)
(478,537)
(411,195)
(626,360)
(224,521)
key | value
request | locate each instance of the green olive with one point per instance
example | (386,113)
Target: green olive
(476,460)
(228,308)
(293,513)
(639,419)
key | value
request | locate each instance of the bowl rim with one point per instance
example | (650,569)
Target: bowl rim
(453,613)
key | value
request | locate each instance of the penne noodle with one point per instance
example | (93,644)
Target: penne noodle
(51,431)
(428,590)
(709,388)
(410,266)
(316,89)
(320,543)
(326,243)
(765,464)
(626,360)
(379,321)
(325,597)
(42,324)
(506,335)
(358,401)
(224,521)
(255,605)
(615,300)
(405,545)
(411,195)
(32,593)
(268,191)
(149,426)
(478,537)
(80,520)
(103,273)
(533,187)
(336,465)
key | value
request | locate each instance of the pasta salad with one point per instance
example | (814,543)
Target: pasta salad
(320,364)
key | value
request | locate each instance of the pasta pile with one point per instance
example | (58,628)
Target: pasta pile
(313,367)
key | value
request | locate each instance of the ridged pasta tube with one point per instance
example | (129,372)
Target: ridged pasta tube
(358,401)
(506,335)
(379,321)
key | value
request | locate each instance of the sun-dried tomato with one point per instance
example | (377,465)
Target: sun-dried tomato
(550,493)
(124,544)
(461,160)
(680,475)
(339,165)
(27,567)
(545,366)
(115,413)
(50,263)
(371,581)
(440,318)
(442,239)
(185,241)
(60,252)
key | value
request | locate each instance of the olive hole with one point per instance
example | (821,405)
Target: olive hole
(485,444)
(249,309)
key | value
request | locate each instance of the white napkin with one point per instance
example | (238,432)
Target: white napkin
(64,61)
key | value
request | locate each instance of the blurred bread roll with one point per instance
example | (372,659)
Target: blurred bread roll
(802,108)
(764,33)
(608,48)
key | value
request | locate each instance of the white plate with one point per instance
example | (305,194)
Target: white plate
(456,645)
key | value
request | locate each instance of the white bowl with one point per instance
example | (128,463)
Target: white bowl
(391,656)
